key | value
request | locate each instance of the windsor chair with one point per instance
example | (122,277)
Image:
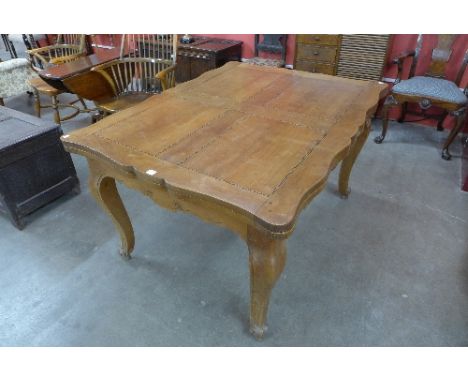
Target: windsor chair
(67,48)
(146,67)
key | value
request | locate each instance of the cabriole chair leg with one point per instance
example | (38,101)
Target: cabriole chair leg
(460,119)
(390,101)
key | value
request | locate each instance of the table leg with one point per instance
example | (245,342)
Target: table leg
(267,259)
(348,162)
(105,192)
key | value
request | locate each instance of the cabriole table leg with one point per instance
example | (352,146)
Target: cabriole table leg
(105,192)
(348,162)
(267,259)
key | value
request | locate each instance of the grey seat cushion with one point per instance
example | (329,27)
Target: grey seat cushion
(435,88)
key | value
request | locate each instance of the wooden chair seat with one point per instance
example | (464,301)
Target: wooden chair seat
(123,101)
(43,87)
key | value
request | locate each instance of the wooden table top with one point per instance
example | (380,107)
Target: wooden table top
(259,140)
(81,65)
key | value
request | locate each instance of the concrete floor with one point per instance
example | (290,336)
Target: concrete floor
(387,267)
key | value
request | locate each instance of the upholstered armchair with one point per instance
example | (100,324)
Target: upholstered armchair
(430,89)
(15,75)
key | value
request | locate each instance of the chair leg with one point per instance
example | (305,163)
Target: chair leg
(460,114)
(37,103)
(56,110)
(389,102)
(1,102)
(404,109)
(440,123)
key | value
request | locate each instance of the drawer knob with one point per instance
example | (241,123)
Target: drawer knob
(316,38)
(316,53)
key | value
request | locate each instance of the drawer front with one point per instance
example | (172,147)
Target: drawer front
(316,53)
(319,39)
(315,67)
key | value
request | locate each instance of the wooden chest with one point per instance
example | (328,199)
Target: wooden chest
(357,56)
(34,167)
(203,54)
(317,53)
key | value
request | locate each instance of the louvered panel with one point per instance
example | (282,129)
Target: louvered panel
(362,56)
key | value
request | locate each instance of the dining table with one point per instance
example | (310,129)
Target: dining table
(246,147)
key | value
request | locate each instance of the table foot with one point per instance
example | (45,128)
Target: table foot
(345,195)
(267,259)
(258,331)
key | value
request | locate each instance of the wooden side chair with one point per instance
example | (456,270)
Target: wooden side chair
(432,88)
(270,43)
(146,67)
(67,48)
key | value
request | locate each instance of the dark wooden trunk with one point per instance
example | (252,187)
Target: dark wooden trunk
(34,167)
(203,54)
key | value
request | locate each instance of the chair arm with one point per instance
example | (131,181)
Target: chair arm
(399,60)
(54,54)
(167,77)
(402,56)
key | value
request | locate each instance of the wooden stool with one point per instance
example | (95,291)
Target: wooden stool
(42,87)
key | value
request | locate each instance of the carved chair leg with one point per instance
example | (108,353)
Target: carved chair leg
(56,110)
(460,121)
(106,194)
(390,101)
(350,159)
(404,109)
(37,103)
(267,259)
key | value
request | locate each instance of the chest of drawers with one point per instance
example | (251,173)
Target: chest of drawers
(358,56)
(317,53)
